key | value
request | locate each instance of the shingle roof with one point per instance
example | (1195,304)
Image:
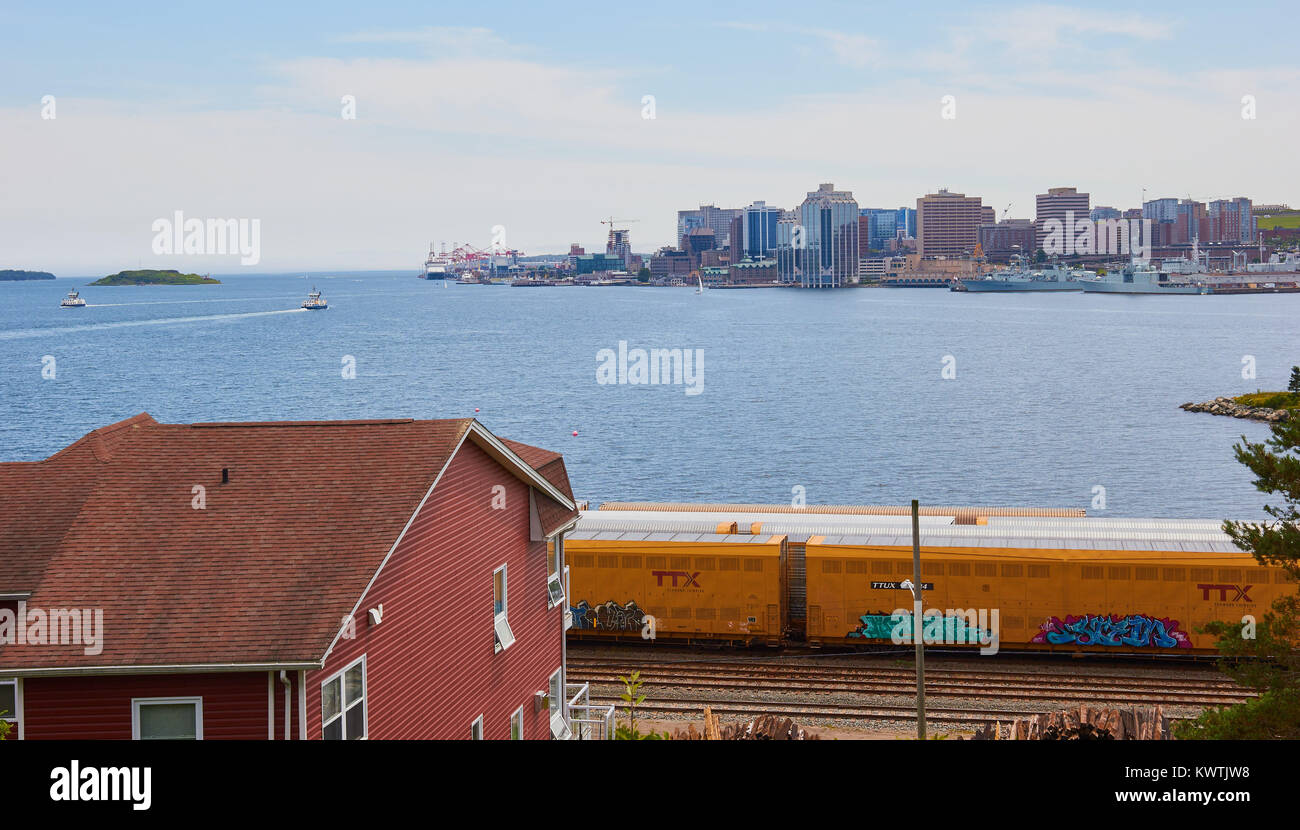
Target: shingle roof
(262,574)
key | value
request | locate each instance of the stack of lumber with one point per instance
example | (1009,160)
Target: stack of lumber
(762,728)
(1087,723)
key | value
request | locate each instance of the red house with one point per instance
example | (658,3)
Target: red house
(285,580)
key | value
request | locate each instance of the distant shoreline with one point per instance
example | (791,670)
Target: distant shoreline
(14,275)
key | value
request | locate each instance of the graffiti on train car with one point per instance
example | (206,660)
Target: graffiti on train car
(608,616)
(1133,630)
(953,627)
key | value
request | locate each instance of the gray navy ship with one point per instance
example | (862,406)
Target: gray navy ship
(1141,278)
(1020,277)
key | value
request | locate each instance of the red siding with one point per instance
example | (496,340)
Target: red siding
(80,708)
(430,664)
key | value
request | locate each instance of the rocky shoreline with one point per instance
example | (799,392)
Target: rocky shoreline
(1229,407)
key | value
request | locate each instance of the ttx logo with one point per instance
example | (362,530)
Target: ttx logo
(1240,592)
(688,579)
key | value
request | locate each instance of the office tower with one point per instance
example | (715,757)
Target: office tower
(947,224)
(1062,204)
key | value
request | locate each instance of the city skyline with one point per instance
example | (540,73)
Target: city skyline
(531,124)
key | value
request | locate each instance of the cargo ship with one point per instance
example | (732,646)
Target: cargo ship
(438,265)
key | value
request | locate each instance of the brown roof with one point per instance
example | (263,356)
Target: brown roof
(264,573)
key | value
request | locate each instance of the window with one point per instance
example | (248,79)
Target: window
(554,586)
(167,719)
(517,725)
(505,638)
(9,700)
(476,729)
(343,704)
(559,727)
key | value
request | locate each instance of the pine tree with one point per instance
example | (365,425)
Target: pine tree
(1294,385)
(1272,664)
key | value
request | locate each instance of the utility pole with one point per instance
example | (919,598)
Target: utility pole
(916,621)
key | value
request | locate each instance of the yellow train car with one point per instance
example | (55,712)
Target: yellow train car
(692,587)
(1062,587)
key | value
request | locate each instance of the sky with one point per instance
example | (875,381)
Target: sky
(533,118)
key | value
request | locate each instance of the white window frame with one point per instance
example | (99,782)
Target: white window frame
(343,704)
(136,703)
(553,577)
(556,714)
(12,716)
(502,636)
(476,729)
(519,713)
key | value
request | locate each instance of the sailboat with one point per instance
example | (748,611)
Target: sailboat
(700,290)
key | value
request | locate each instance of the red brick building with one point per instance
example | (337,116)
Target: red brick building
(285,580)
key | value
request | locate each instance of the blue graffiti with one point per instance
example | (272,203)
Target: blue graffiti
(1134,630)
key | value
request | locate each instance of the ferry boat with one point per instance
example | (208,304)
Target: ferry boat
(314,301)
(73,300)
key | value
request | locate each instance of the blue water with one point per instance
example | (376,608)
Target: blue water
(837,392)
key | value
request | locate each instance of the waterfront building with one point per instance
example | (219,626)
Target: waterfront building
(697,241)
(828,256)
(758,230)
(707,216)
(292,580)
(595,263)
(670,262)
(752,272)
(1010,236)
(947,224)
(1060,204)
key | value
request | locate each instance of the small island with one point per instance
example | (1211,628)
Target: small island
(151,277)
(1257,406)
(10,274)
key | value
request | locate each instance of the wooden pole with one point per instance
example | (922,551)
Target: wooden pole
(916,621)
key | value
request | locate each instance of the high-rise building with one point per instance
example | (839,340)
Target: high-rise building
(947,224)
(1231,220)
(1160,210)
(619,245)
(905,222)
(1191,221)
(1056,203)
(707,216)
(758,230)
(827,254)
(1098,213)
(786,269)
(881,226)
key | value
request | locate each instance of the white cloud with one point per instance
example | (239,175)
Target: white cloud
(443,149)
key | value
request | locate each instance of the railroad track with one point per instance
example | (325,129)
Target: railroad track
(729,688)
(874,712)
